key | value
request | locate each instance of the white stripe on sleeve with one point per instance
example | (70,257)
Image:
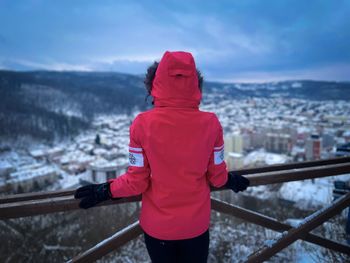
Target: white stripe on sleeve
(218,148)
(135,149)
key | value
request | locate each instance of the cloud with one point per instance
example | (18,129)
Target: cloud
(227,38)
(21,64)
(339,72)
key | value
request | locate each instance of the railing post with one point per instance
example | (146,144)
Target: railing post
(273,224)
(302,230)
(108,245)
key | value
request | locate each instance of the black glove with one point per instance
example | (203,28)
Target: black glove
(236,182)
(92,194)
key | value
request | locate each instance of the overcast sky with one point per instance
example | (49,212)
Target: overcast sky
(231,40)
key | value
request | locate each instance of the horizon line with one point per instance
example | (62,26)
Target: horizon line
(213,80)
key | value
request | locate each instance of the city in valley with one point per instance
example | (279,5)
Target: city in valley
(257,132)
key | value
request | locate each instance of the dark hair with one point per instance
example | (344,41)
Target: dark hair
(151,73)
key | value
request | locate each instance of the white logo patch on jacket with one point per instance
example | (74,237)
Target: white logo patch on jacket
(218,155)
(135,159)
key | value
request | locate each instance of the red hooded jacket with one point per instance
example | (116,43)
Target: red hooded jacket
(175,154)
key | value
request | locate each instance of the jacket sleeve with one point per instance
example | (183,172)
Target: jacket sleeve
(217,171)
(136,179)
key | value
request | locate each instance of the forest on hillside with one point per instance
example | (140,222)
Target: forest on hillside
(48,105)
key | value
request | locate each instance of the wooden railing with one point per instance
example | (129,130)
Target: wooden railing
(30,204)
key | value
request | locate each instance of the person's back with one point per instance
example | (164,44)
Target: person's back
(182,149)
(175,153)
(178,143)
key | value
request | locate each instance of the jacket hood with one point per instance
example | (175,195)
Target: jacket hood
(176,82)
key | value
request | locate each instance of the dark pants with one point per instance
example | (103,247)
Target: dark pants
(193,250)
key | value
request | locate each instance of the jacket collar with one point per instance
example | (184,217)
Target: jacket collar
(176,103)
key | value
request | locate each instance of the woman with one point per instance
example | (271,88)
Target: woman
(176,153)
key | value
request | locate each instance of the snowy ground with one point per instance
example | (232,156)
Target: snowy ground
(261,156)
(310,194)
(306,194)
